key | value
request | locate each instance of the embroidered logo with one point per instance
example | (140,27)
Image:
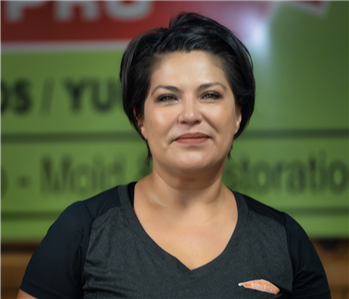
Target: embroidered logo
(260,285)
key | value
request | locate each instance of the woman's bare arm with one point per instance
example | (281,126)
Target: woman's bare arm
(23,295)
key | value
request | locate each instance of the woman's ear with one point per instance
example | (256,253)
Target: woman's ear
(238,118)
(140,123)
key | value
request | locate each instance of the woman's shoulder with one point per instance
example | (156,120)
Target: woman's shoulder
(291,227)
(99,204)
(66,243)
(83,213)
(260,208)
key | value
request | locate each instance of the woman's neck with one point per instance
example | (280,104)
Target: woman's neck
(190,195)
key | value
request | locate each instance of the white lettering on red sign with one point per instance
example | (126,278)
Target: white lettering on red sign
(133,11)
(15,9)
(90,10)
(64,10)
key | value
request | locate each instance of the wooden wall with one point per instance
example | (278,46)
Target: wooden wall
(333,253)
(334,256)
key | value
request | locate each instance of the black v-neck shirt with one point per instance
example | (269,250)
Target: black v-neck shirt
(98,249)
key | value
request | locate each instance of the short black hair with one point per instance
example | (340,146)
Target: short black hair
(187,32)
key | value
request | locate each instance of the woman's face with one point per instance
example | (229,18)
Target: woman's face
(190,116)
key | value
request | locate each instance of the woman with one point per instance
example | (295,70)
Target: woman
(179,232)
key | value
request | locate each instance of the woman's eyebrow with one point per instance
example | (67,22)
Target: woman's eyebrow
(208,85)
(169,87)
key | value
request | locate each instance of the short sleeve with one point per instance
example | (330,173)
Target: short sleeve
(55,269)
(309,277)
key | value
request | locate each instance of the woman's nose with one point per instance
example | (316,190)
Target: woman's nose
(190,111)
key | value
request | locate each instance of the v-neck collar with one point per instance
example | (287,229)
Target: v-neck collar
(172,263)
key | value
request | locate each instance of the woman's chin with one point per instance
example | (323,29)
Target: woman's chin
(195,164)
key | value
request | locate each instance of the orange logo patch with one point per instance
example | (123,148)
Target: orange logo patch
(260,285)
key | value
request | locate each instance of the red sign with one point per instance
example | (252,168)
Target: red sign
(97,21)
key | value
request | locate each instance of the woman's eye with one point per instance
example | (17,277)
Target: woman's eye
(212,96)
(166,99)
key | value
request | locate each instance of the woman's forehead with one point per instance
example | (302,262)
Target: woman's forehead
(180,65)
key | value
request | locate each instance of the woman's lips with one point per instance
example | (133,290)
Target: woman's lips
(192,138)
